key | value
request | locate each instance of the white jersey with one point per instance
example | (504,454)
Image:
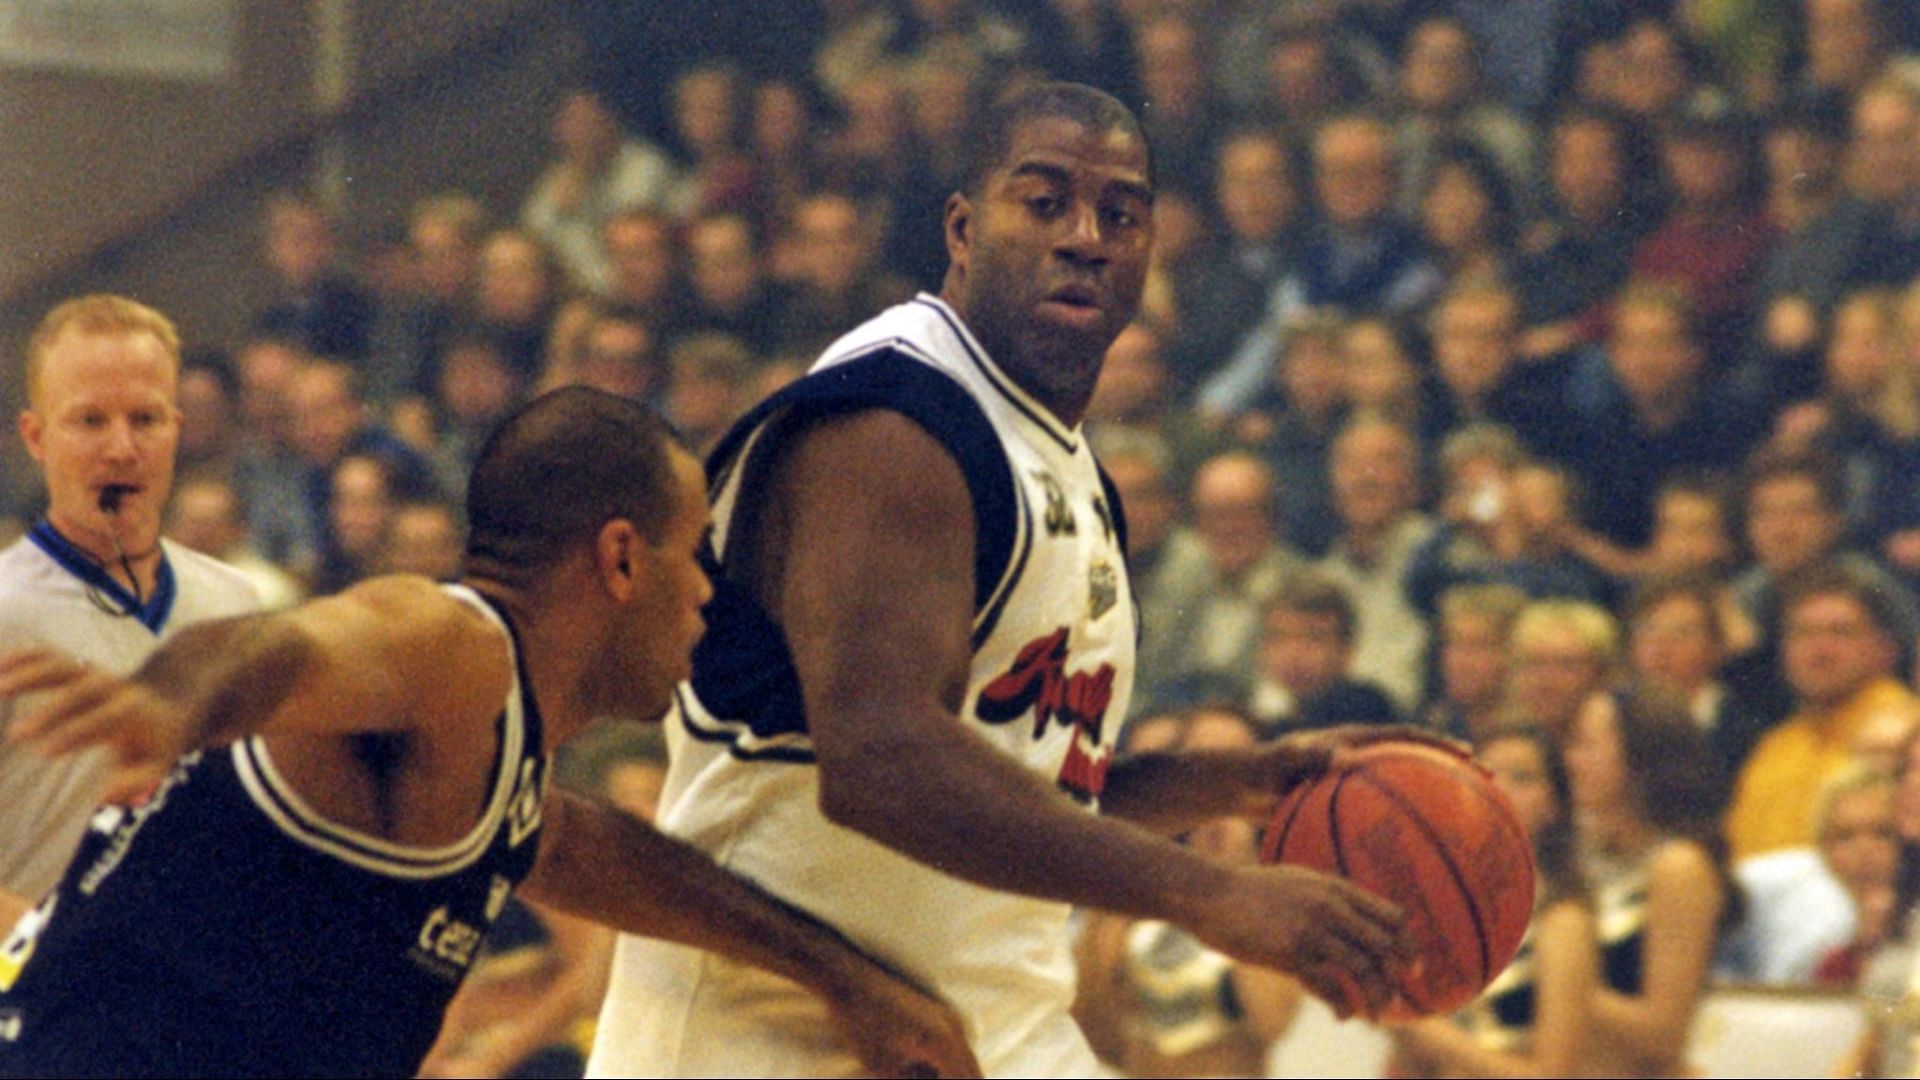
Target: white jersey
(1054,634)
(52,593)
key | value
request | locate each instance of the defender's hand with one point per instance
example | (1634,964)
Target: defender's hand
(85,707)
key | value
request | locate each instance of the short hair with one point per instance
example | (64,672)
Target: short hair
(1700,588)
(1770,464)
(1853,581)
(97,314)
(1856,777)
(1478,440)
(1084,105)
(1660,295)
(217,364)
(1599,634)
(1500,603)
(557,470)
(1311,592)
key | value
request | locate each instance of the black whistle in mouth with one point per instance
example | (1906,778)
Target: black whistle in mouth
(111,496)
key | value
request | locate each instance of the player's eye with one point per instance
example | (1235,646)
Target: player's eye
(1046,205)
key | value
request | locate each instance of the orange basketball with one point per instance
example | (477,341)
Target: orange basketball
(1427,829)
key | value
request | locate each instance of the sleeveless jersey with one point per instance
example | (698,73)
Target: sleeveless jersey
(1053,638)
(222,927)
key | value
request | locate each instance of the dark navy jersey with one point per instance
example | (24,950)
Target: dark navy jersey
(221,927)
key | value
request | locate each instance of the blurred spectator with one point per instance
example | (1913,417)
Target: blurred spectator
(620,355)
(1812,911)
(710,376)
(1474,624)
(838,280)
(1649,800)
(1645,406)
(1847,43)
(1677,639)
(732,292)
(1840,655)
(1711,244)
(1182,118)
(442,256)
(1445,101)
(1257,197)
(1503,519)
(210,424)
(206,514)
(477,386)
(359,510)
(644,270)
(331,423)
(785,119)
(1202,610)
(517,290)
(1560,653)
(1303,670)
(314,303)
(423,536)
(709,109)
(1466,212)
(1291,424)
(1579,255)
(1359,258)
(1375,471)
(1884,169)
(599,170)
(1480,375)
(1826,235)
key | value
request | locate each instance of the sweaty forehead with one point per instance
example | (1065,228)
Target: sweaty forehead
(1111,152)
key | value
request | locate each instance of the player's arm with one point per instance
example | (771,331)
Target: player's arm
(1173,791)
(390,654)
(1685,895)
(602,864)
(865,558)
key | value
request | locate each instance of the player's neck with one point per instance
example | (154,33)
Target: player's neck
(550,660)
(133,562)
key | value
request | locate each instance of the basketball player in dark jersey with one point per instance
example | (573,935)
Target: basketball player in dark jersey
(317,814)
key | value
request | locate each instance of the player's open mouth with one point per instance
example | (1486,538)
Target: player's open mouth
(1076,304)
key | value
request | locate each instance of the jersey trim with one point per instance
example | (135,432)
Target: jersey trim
(103,586)
(284,806)
(743,680)
(1008,389)
(793,748)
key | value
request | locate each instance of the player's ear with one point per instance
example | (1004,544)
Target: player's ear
(30,432)
(618,552)
(959,227)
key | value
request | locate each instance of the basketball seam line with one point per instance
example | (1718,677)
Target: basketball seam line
(1453,870)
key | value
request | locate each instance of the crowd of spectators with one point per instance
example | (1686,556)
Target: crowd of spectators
(1493,354)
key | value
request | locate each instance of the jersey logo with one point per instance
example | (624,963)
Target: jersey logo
(445,945)
(1059,516)
(1105,515)
(523,813)
(1038,680)
(1103,589)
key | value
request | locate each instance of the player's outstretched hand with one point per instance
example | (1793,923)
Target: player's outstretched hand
(897,1029)
(1346,944)
(83,706)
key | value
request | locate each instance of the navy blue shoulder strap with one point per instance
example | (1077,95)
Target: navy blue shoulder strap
(888,379)
(742,669)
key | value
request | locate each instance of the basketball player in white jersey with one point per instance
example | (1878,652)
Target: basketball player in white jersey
(349,791)
(922,649)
